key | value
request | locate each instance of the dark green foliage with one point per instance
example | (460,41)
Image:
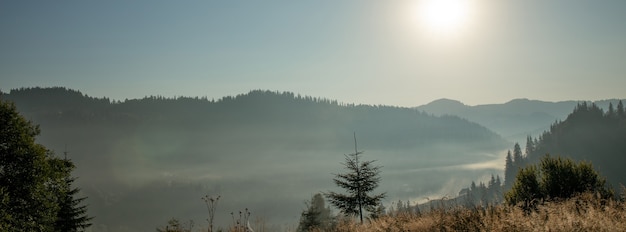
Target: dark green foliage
(514,162)
(317,216)
(562,178)
(379,211)
(25,175)
(530,146)
(72,215)
(555,179)
(517,156)
(33,183)
(526,189)
(509,172)
(589,134)
(360,180)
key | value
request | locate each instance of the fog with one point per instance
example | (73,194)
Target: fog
(145,187)
(143,162)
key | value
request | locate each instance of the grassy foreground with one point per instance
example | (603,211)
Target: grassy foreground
(582,213)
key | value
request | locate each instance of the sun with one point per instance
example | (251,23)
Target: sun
(443,17)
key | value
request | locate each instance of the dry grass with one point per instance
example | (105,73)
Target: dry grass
(583,213)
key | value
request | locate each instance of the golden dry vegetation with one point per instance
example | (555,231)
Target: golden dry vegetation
(583,213)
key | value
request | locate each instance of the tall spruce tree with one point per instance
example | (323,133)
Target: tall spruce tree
(72,215)
(509,171)
(517,155)
(360,180)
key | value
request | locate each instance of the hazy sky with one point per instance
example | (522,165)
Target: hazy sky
(360,51)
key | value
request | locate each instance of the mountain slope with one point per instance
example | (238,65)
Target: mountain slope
(257,150)
(588,134)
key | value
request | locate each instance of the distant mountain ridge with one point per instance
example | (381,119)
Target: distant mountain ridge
(514,119)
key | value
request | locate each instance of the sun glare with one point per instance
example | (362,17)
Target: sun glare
(443,17)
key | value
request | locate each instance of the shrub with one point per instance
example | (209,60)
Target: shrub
(555,179)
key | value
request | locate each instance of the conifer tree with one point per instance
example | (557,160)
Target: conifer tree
(611,112)
(530,146)
(517,155)
(25,175)
(317,216)
(509,171)
(360,180)
(72,215)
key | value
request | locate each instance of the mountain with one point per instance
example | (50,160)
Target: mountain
(142,161)
(513,120)
(444,106)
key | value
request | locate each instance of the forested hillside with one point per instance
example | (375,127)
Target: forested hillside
(136,152)
(588,134)
(285,112)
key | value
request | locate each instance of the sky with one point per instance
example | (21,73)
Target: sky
(355,51)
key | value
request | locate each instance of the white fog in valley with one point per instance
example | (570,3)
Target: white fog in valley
(144,161)
(160,103)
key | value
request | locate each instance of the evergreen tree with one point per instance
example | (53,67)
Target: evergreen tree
(32,181)
(379,212)
(517,155)
(317,216)
(26,175)
(526,188)
(620,108)
(530,146)
(360,180)
(509,171)
(491,189)
(482,194)
(72,216)
(498,190)
(611,112)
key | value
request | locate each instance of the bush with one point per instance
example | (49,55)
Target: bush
(555,179)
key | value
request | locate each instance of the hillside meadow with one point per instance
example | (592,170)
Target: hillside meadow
(582,213)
